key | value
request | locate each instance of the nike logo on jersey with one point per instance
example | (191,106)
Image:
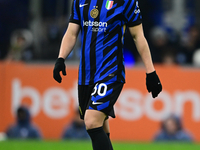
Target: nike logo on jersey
(83,5)
(96,103)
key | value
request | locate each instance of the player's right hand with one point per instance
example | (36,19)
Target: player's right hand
(59,66)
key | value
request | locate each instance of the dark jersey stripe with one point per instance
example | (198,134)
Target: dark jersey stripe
(131,10)
(127,6)
(120,58)
(109,67)
(109,58)
(78,11)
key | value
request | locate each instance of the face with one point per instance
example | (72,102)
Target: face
(171,126)
(21,115)
(194,33)
(20,41)
(168,60)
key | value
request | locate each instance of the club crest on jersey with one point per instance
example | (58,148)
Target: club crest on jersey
(94,13)
(109,4)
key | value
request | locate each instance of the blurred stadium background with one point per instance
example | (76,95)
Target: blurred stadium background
(30,36)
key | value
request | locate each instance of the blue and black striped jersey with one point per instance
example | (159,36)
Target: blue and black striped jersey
(103,24)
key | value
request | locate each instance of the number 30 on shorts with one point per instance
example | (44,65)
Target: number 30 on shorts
(99,91)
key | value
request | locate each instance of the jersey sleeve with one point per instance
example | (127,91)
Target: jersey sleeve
(75,15)
(132,14)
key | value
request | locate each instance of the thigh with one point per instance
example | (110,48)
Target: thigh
(104,96)
(106,127)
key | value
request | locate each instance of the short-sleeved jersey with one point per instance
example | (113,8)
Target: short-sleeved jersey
(103,24)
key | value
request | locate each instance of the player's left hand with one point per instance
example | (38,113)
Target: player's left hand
(153,84)
(59,66)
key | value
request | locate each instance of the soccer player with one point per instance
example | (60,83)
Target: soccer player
(101,71)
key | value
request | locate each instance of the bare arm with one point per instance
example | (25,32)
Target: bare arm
(69,40)
(142,47)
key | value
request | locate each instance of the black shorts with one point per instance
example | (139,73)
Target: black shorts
(101,96)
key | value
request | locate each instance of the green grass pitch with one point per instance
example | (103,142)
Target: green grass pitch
(86,145)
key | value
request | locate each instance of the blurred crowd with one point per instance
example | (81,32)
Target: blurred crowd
(24,128)
(172,31)
(171,129)
(33,31)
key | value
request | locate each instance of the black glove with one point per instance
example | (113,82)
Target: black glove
(153,84)
(59,66)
